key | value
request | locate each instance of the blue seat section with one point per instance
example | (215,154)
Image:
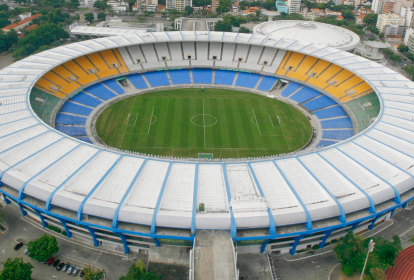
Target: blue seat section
(224,77)
(267,83)
(180,76)
(85,99)
(72,130)
(248,80)
(335,111)
(337,123)
(76,109)
(138,81)
(100,91)
(85,139)
(112,84)
(319,103)
(157,79)
(325,143)
(202,76)
(290,88)
(69,119)
(304,94)
(337,134)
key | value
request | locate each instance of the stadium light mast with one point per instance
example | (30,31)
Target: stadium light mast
(371,245)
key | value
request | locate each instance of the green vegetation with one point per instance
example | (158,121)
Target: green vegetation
(244,30)
(234,124)
(402,48)
(351,252)
(91,274)
(410,71)
(395,58)
(223,25)
(89,17)
(139,272)
(16,269)
(43,248)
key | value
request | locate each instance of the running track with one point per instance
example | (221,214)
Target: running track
(404,266)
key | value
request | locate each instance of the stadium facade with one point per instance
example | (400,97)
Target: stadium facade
(285,203)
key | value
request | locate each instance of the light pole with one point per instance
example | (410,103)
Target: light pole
(371,245)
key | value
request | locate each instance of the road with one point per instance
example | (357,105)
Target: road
(79,254)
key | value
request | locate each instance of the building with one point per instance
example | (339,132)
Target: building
(401,3)
(389,19)
(294,6)
(388,7)
(378,6)
(282,6)
(410,42)
(408,14)
(179,5)
(20,24)
(395,30)
(214,5)
(201,24)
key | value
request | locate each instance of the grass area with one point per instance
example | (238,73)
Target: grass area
(186,122)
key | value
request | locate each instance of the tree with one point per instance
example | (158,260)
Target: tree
(410,71)
(377,274)
(370,19)
(224,6)
(7,40)
(402,48)
(89,17)
(223,25)
(139,272)
(4,22)
(16,269)
(101,16)
(381,35)
(244,30)
(351,252)
(410,56)
(21,2)
(4,7)
(373,29)
(43,248)
(348,15)
(189,10)
(71,5)
(100,5)
(387,52)
(91,274)
(395,58)
(269,5)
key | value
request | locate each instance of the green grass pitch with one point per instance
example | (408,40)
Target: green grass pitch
(186,122)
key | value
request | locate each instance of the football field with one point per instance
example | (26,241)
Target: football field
(215,123)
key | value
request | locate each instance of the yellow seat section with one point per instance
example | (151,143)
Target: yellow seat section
(318,68)
(84,78)
(103,68)
(280,70)
(63,85)
(124,67)
(343,89)
(86,64)
(321,80)
(112,60)
(300,72)
(340,77)
(362,88)
(64,73)
(46,86)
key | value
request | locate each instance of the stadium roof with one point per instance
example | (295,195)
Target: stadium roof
(360,173)
(309,31)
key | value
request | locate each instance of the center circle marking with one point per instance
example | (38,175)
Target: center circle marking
(204,120)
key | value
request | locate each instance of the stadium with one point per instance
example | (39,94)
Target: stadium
(353,170)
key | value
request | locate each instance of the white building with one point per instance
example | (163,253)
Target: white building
(294,6)
(378,5)
(400,4)
(407,13)
(389,19)
(179,5)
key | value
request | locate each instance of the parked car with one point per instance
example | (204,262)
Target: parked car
(75,271)
(65,267)
(26,252)
(50,261)
(45,261)
(82,274)
(69,271)
(60,266)
(18,246)
(55,263)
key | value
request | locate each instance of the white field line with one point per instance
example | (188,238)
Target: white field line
(150,122)
(257,124)
(281,128)
(126,126)
(204,125)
